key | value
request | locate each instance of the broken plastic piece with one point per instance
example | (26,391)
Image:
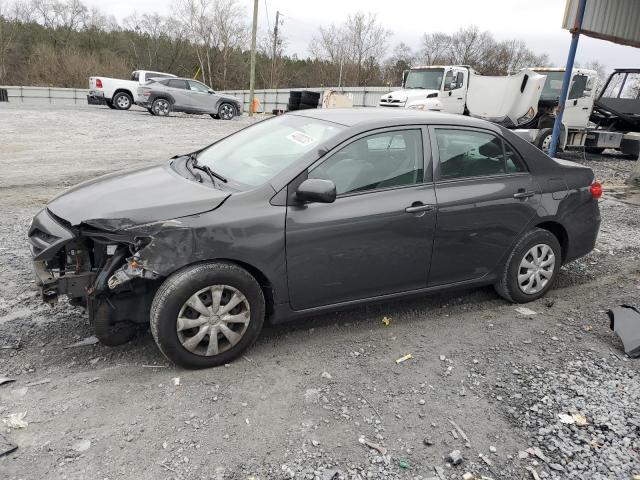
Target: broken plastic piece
(4,380)
(386,321)
(6,446)
(525,311)
(625,321)
(92,340)
(16,420)
(382,450)
(408,356)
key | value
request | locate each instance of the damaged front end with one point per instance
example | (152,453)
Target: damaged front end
(93,267)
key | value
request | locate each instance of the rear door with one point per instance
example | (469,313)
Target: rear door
(178,89)
(376,238)
(486,199)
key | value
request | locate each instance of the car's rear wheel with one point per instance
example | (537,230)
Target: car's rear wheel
(532,267)
(207,314)
(226,111)
(150,110)
(109,104)
(161,107)
(122,101)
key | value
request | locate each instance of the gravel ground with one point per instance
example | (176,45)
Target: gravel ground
(485,380)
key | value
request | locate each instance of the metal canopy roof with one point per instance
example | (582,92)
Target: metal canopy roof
(614,20)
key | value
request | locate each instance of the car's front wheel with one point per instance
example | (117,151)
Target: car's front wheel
(532,267)
(207,314)
(226,111)
(161,107)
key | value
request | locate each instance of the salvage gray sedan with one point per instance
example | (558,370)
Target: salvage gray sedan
(309,212)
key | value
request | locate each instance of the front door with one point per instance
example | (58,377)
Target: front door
(376,238)
(201,99)
(454,94)
(486,198)
(579,104)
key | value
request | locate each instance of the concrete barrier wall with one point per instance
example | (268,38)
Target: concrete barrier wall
(270,99)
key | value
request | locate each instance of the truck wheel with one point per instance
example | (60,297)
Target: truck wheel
(161,107)
(543,139)
(532,267)
(122,101)
(226,111)
(110,104)
(207,314)
(109,333)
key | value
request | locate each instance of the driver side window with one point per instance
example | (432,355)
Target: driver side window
(383,160)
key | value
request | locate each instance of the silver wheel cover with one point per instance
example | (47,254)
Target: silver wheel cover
(536,269)
(213,320)
(226,111)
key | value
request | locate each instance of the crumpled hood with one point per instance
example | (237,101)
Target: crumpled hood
(124,199)
(409,95)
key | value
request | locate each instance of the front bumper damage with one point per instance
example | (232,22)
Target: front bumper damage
(85,262)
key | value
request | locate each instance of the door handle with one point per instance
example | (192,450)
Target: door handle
(523,194)
(419,207)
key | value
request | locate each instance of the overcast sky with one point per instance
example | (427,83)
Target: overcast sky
(536,22)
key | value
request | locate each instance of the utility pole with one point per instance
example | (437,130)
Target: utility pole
(275,47)
(252,74)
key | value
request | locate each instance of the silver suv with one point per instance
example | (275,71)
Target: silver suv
(163,96)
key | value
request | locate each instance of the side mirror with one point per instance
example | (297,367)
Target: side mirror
(316,190)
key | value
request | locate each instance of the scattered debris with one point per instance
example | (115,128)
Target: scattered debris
(4,380)
(39,382)
(326,375)
(468,476)
(493,449)
(386,321)
(576,418)
(16,420)
(427,441)
(81,446)
(13,346)
(440,472)
(525,311)
(403,464)
(92,340)
(408,356)
(176,381)
(382,450)
(459,430)
(6,446)
(485,459)
(154,366)
(534,474)
(625,321)
(312,395)
(454,458)
(535,451)
(94,379)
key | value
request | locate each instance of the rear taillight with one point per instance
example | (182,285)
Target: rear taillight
(146,93)
(98,83)
(596,190)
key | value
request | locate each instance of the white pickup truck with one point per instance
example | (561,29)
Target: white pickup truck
(510,100)
(117,93)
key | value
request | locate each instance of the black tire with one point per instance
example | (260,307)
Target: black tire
(508,286)
(161,107)
(310,98)
(214,116)
(110,334)
(307,106)
(122,101)
(150,110)
(594,150)
(543,139)
(179,287)
(110,105)
(227,111)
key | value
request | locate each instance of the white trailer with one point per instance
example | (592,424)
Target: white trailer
(510,100)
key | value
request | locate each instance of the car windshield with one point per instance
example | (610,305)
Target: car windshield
(552,85)
(430,79)
(253,156)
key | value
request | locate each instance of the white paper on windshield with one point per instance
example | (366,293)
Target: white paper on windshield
(301,138)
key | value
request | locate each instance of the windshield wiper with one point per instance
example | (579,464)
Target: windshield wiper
(206,169)
(191,158)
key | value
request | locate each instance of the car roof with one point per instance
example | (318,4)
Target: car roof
(387,116)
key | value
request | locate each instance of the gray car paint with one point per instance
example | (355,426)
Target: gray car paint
(186,100)
(322,256)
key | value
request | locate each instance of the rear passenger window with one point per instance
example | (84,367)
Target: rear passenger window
(466,153)
(177,84)
(514,162)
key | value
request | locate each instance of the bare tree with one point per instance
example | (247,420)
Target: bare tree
(196,17)
(230,31)
(436,49)
(401,59)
